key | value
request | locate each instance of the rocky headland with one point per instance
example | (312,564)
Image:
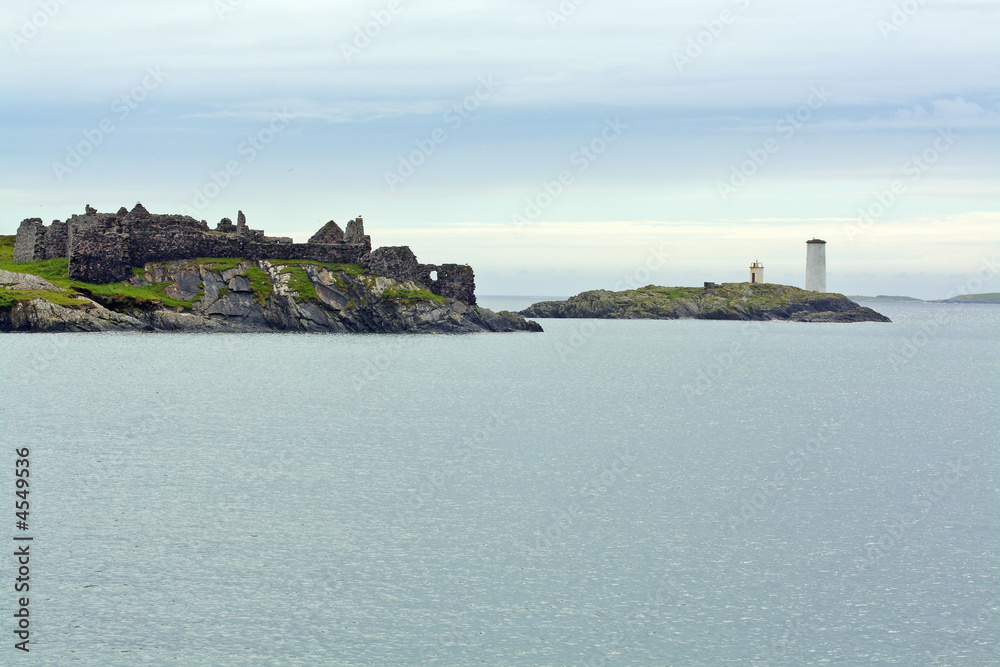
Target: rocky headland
(726,301)
(135,271)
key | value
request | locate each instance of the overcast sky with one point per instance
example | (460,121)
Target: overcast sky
(555,146)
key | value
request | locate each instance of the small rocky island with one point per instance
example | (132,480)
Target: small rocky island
(137,271)
(726,301)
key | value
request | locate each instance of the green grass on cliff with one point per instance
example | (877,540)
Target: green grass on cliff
(653,302)
(9,298)
(397,293)
(353,269)
(298,282)
(217,263)
(260,284)
(124,296)
(56,271)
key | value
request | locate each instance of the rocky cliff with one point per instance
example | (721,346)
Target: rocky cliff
(239,295)
(728,301)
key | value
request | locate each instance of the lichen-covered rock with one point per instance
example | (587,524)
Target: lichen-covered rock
(25,281)
(729,301)
(40,315)
(323,299)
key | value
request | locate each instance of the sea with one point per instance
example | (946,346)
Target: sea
(603,493)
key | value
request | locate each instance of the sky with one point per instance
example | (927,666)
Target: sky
(554,145)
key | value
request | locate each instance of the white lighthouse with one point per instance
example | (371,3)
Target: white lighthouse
(816,265)
(756,272)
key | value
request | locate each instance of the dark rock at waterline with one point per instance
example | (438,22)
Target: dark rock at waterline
(728,301)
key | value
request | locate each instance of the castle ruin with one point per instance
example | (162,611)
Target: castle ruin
(105,247)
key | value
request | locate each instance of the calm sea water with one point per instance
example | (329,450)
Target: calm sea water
(620,493)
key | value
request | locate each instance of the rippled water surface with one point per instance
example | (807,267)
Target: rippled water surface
(631,493)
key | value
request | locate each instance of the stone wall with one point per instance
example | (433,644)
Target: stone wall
(29,245)
(104,247)
(456,281)
(97,255)
(57,240)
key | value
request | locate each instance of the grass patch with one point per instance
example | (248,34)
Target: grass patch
(8,298)
(353,269)
(218,263)
(260,284)
(125,296)
(119,296)
(7,248)
(396,293)
(298,281)
(56,271)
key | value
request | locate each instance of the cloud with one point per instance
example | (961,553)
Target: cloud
(955,112)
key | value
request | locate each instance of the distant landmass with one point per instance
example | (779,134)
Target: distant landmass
(883,297)
(727,301)
(993,297)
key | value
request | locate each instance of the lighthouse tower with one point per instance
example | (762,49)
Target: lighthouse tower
(816,265)
(756,272)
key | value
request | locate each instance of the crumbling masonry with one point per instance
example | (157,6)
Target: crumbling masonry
(104,248)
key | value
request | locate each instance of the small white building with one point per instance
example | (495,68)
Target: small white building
(757,272)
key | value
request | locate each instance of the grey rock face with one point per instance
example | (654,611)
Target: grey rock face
(729,301)
(187,284)
(25,281)
(40,315)
(344,302)
(239,284)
